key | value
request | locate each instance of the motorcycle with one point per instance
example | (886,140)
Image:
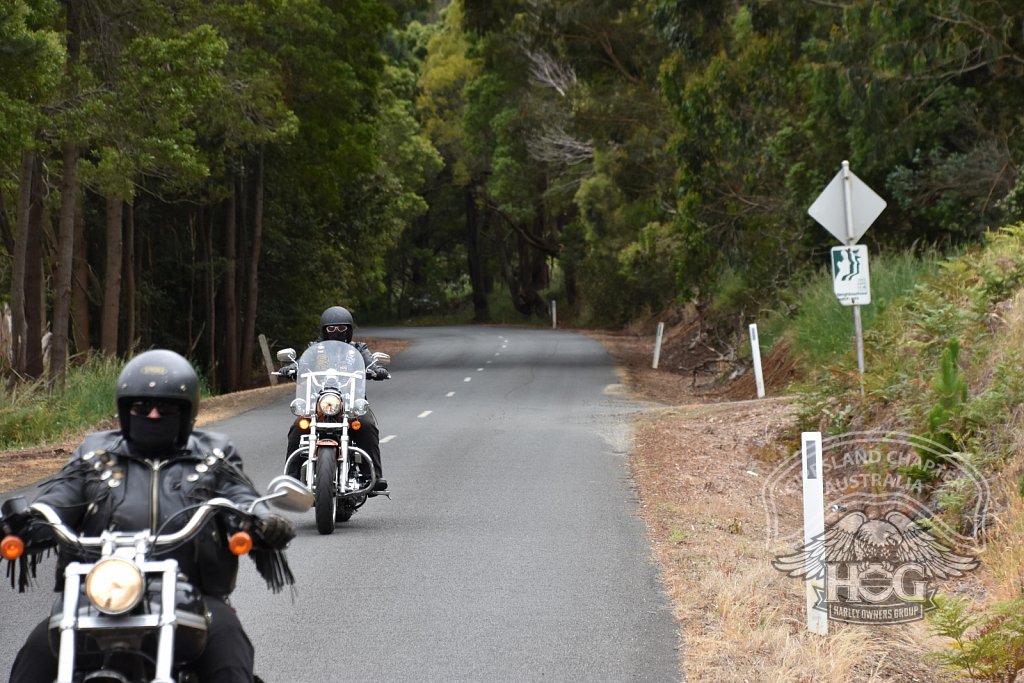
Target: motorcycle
(126,617)
(330,397)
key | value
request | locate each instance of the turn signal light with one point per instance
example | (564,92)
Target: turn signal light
(240,543)
(304,424)
(356,425)
(11,548)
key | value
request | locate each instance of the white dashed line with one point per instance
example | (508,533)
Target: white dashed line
(449,394)
(468,379)
(479,369)
(425,413)
(387,438)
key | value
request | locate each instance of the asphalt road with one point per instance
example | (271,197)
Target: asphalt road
(509,551)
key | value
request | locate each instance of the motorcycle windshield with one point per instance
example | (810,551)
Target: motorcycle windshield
(330,364)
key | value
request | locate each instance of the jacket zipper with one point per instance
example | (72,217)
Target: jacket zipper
(154,493)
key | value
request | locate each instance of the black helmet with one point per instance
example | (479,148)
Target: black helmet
(159,374)
(339,317)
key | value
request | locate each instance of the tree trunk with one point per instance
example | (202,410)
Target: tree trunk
(206,218)
(252,289)
(18,266)
(65,263)
(230,354)
(112,276)
(6,233)
(68,205)
(80,285)
(35,298)
(131,274)
(474,256)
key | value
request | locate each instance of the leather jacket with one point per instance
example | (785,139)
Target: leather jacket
(106,485)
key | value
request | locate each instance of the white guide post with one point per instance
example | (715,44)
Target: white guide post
(554,315)
(657,345)
(755,352)
(814,522)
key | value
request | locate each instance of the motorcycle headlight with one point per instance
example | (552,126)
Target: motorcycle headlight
(360,406)
(298,407)
(329,404)
(114,586)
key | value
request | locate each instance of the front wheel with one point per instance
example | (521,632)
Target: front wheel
(324,500)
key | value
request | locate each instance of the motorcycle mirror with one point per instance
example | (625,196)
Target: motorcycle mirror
(288,493)
(286,355)
(381,358)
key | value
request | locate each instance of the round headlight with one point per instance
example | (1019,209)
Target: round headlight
(360,406)
(329,404)
(298,407)
(114,586)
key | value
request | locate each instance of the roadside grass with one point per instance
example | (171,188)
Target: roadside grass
(32,414)
(819,328)
(944,359)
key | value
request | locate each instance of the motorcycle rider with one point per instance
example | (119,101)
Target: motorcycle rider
(108,483)
(336,324)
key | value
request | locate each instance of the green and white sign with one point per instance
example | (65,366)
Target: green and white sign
(850,278)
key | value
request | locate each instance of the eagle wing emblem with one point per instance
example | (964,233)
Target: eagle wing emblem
(920,547)
(836,544)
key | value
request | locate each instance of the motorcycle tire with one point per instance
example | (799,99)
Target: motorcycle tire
(325,502)
(343,514)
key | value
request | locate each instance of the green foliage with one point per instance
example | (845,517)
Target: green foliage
(950,391)
(820,329)
(31,414)
(947,327)
(983,647)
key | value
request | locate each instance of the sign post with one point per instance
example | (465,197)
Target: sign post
(814,523)
(834,210)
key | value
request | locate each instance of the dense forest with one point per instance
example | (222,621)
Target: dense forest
(192,173)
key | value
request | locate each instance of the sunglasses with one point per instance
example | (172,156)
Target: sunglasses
(146,406)
(335,328)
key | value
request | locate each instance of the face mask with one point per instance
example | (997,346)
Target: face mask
(154,435)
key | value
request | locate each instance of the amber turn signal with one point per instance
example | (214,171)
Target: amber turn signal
(11,548)
(240,543)
(304,424)
(356,425)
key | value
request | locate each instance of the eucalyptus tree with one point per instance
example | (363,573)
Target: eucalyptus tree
(770,97)
(30,71)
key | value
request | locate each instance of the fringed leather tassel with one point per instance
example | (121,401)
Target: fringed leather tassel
(273,567)
(22,572)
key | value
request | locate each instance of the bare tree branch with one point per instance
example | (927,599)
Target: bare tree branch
(549,72)
(555,146)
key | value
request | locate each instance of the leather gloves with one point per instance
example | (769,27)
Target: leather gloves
(275,530)
(378,373)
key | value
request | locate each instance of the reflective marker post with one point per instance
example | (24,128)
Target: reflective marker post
(814,522)
(755,352)
(554,315)
(657,345)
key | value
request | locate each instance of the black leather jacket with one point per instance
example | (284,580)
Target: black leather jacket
(106,485)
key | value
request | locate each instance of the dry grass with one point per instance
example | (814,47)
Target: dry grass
(700,464)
